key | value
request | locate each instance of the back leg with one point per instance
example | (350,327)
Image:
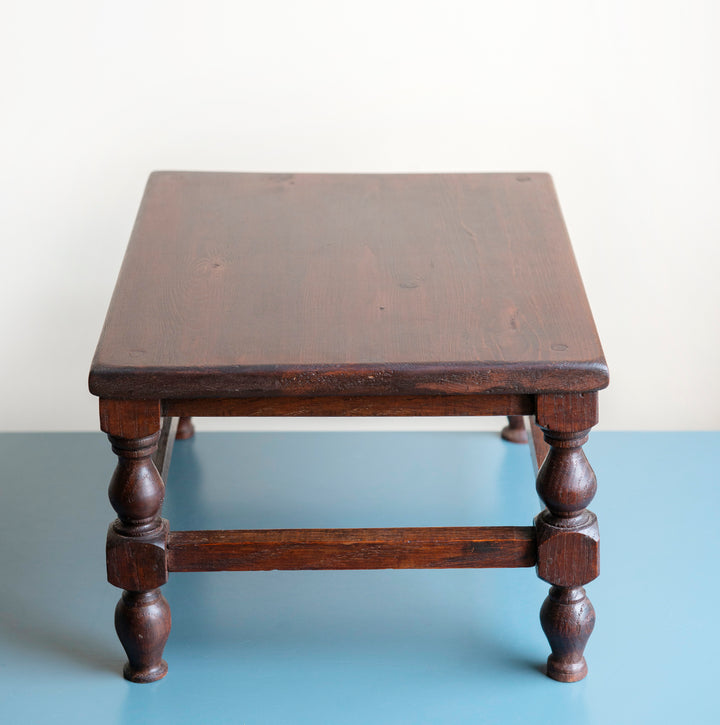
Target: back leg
(514,432)
(185,429)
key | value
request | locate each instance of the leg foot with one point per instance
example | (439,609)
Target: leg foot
(185,429)
(515,430)
(142,622)
(567,618)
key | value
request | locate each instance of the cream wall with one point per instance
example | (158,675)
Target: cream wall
(617,99)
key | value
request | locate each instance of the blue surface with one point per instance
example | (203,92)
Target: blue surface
(361,647)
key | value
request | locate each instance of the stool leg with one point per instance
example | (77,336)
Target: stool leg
(567,618)
(515,430)
(567,539)
(185,429)
(137,542)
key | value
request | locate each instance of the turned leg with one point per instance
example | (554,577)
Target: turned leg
(185,429)
(515,431)
(567,533)
(136,548)
(567,618)
(142,622)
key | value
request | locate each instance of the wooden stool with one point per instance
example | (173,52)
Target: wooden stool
(340,295)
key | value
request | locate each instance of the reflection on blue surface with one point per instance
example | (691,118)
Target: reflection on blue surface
(360,647)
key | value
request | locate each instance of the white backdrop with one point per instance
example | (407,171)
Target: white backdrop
(618,99)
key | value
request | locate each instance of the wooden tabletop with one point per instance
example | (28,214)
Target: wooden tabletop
(314,284)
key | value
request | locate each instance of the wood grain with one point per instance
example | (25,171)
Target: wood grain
(407,548)
(130,418)
(567,533)
(368,405)
(332,284)
(327,294)
(136,546)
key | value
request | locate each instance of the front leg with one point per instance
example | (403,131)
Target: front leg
(567,533)
(137,540)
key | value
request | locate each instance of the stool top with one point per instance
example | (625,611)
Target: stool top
(237,285)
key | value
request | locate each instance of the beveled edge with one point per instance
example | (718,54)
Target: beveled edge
(131,383)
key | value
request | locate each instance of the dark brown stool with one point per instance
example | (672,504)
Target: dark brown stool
(349,295)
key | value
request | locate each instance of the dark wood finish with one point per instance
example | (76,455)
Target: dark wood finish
(567,618)
(137,563)
(136,490)
(514,431)
(567,533)
(337,295)
(368,405)
(327,284)
(538,447)
(567,413)
(129,418)
(136,544)
(568,555)
(142,622)
(410,548)
(185,428)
